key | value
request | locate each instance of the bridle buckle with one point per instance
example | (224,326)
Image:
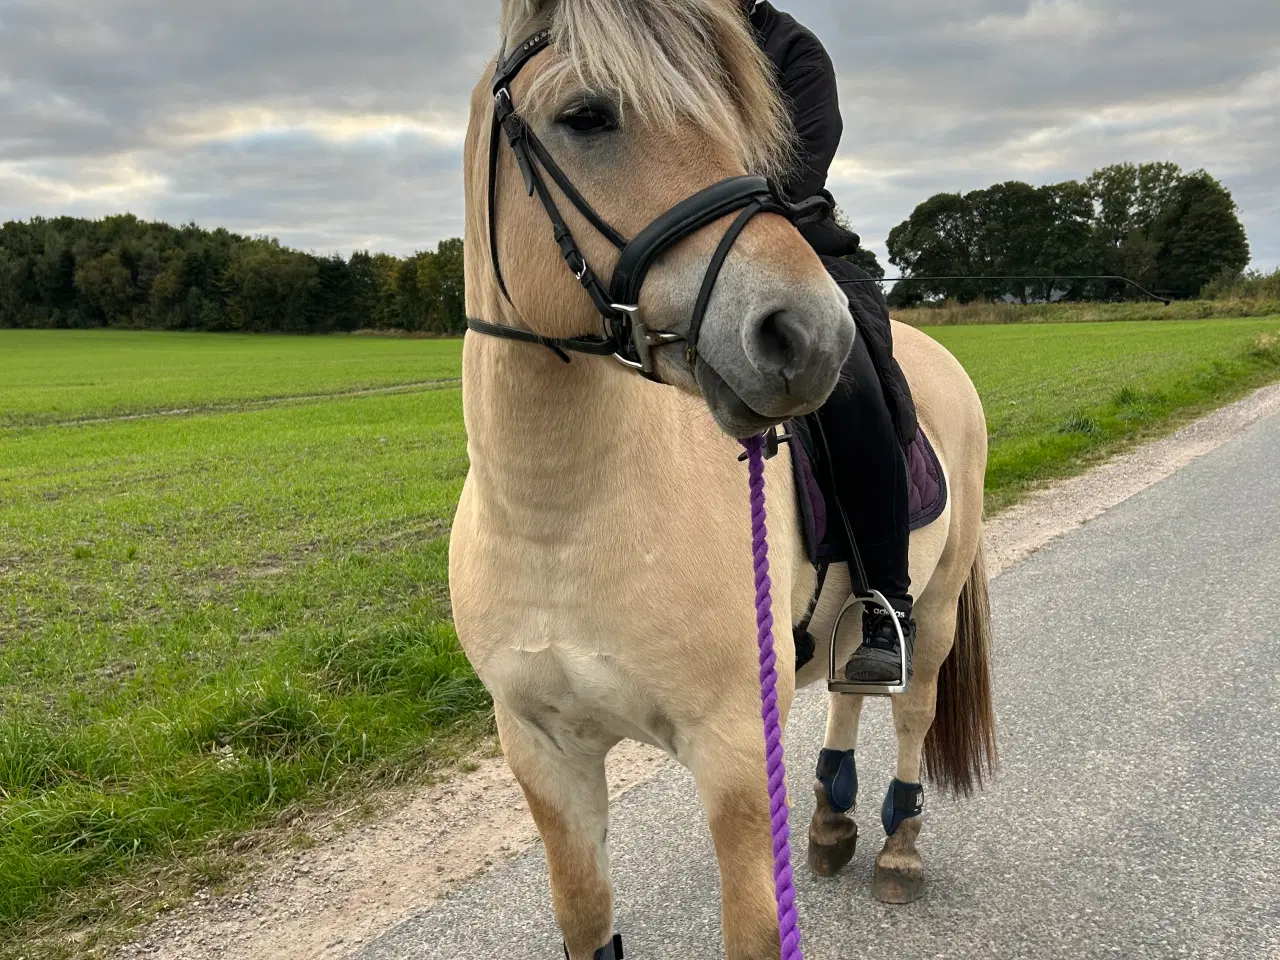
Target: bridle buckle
(642,341)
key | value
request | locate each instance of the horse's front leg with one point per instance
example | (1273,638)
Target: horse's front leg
(568,795)
(727,759)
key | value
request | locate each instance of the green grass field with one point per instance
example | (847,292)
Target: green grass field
(207,620)
(49,376)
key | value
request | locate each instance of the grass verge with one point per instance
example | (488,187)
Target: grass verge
(208,621)
(1061,397)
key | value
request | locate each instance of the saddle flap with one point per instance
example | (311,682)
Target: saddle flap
(927,493)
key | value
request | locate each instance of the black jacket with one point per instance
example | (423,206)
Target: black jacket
(808,81)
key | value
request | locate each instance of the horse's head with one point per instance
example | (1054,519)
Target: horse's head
(643,104)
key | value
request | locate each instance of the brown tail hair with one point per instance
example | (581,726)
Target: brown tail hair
(961,747)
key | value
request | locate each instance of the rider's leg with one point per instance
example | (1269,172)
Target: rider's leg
(869,474)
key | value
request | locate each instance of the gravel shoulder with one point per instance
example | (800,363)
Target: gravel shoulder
(358,881)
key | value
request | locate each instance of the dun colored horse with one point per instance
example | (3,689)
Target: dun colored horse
(601,565)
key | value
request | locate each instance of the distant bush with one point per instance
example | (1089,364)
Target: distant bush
(1249,285)
(951,313)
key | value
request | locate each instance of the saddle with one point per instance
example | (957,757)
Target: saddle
(825,542)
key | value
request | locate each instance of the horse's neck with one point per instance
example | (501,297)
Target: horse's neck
(550,440)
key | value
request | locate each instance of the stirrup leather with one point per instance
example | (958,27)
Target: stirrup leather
(836,683)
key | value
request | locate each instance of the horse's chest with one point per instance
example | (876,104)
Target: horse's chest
(570,637)
(558,586)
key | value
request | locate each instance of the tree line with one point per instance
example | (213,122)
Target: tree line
(124,272)
(1170,231)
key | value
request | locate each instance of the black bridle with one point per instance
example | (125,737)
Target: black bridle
(624,333)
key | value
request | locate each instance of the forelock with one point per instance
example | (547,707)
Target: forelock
(668,61)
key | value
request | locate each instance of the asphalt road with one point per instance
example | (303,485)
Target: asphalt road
(1137,814)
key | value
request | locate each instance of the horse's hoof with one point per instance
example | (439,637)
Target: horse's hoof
(828,859)
(897,885)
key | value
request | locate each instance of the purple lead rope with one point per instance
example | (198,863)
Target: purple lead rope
(784,881)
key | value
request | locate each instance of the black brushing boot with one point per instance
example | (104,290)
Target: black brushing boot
(612,951)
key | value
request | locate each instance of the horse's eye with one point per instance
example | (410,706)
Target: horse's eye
(588,119)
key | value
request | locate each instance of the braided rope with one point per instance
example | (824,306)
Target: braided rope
(784,880)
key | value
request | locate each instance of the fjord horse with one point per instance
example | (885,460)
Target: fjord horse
(601,564)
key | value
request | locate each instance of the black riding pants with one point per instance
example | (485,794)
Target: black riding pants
(869,473)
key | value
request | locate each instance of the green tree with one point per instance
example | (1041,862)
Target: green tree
(334,308)
(54,273)
(1128,199)
(12,303)
(1148,222)
(938,239)
(427,287)
(450,264)
(364,290)
(386,271)
(106,289)
(1199,236)
(1067,246)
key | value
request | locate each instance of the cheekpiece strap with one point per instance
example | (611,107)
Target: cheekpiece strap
(510,67)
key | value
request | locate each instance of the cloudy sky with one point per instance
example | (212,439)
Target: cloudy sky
(338,125)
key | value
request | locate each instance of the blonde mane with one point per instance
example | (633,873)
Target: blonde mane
(667,61)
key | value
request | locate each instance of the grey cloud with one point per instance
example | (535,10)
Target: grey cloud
(256,114)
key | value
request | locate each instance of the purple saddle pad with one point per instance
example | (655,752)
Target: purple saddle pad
(927,497)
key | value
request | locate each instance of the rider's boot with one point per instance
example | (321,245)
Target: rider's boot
(879,659)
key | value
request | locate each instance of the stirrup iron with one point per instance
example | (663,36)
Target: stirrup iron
(836,683)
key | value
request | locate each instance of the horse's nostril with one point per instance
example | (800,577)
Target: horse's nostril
(777,343)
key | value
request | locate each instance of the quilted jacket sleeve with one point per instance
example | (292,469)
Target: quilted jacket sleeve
(808,79)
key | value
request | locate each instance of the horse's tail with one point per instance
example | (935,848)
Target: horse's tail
(961,746)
